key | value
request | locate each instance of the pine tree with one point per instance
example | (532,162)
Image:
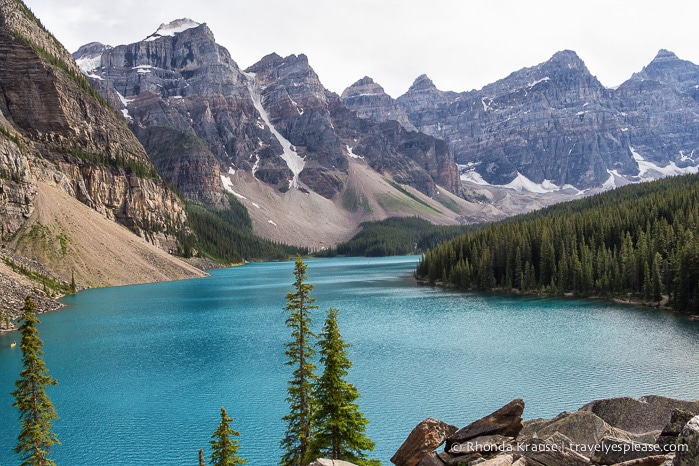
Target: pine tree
(300,353)
(36,411)
(339,426)
(201,457)
(224,448)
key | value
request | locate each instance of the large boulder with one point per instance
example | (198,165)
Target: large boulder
(423,440)
(688,444)
(645,414)
(583,428)
(506,421)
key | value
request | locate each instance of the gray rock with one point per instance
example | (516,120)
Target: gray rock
(582,428)
(645,414)
(688,443)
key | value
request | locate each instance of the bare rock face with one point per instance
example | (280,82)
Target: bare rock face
(506,421)
(423,440)
(57,129)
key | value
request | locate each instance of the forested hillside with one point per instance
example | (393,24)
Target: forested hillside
(640,240)
(226,235)
(397,236)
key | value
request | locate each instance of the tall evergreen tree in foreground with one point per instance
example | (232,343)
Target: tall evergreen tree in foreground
(300,354)
(339,426)
(36,411)
(225,448)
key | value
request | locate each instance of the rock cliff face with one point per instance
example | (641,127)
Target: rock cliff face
(275,120)
(57,129)
(555,124)
(57,133)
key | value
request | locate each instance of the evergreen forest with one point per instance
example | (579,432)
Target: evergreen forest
(638,241)
(397,236)
(226,236)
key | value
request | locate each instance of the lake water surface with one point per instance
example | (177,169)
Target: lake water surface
(144,370)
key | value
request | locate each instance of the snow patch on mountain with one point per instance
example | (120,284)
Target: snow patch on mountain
(170,29)
(89,63)
(649,171)
(292,159)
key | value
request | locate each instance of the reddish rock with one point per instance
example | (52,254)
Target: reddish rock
(423,440)
(506,421)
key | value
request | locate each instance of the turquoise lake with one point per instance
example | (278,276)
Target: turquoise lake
(144,370)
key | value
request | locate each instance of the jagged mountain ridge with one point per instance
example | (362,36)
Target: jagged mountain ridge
(554,124)
(211,127)
(228,108)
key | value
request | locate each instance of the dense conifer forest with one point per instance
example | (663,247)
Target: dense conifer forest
(396,236)
(639,241)
(226,236)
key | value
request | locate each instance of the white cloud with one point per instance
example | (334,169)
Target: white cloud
(460,44)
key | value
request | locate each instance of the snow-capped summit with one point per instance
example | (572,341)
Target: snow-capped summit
(172,28)
(89,57)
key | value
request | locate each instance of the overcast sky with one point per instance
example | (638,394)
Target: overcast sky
(460,44)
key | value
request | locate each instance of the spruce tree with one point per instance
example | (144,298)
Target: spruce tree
(36,411)
(201,457)
(224,448)
(339,426)
(300,354)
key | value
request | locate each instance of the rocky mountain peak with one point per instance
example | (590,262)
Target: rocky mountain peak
(568,59)
(664,55)
(364,87)
(174,27)
(668,68)
(370,101)
(422,83)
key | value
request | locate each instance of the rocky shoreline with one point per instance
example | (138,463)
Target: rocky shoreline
(648,431)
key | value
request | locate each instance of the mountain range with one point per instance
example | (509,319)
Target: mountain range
(131,133)
(548,133)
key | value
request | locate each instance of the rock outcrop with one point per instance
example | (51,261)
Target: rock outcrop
(570,439)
